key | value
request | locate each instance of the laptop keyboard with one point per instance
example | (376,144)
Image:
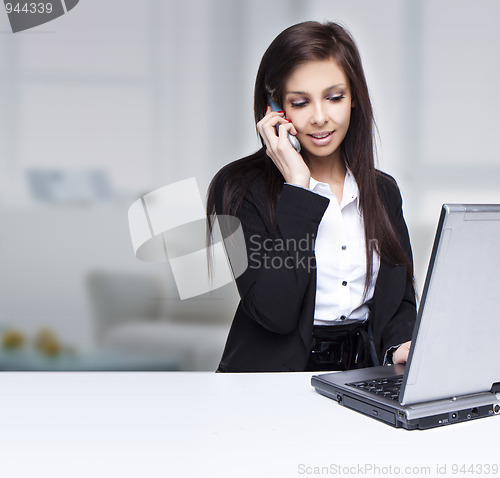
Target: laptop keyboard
(384,387)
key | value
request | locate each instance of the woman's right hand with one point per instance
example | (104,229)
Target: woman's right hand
(400,355)
(290,163)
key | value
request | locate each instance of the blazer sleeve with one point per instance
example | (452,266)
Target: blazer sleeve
(399,326)
(280,255)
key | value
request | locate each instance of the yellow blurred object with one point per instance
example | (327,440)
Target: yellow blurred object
(47,342)
(12,339)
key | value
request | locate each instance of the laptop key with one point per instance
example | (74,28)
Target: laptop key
(387,387)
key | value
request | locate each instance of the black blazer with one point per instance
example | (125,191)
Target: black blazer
(272,326)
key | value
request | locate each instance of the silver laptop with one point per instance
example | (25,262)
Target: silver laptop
(453,370)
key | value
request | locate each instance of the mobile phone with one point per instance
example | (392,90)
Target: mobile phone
(293,140)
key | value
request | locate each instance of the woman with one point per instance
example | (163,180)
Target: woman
(329,282)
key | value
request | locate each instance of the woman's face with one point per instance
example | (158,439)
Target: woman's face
(317,100)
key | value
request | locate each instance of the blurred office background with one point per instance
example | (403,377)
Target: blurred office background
(120,97)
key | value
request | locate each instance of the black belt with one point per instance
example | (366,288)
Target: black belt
(339,347)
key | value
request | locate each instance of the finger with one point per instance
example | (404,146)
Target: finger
(271,118)
(401,354)
(286,121)
(278,137)
(285,127)
(270,113)
(267,128)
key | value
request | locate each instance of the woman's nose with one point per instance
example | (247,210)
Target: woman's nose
(319,115)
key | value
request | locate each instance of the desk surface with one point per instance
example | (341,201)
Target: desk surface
(201,424)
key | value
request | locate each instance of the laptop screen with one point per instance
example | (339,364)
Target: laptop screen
(455,344)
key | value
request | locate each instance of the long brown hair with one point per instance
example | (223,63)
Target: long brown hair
(299,44)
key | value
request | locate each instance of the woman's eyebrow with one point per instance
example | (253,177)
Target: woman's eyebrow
(296,93)
(340,85)
(306,93)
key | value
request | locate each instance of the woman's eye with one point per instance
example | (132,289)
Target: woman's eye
(302,103)
(298,104)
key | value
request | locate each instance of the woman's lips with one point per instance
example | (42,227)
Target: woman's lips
(321,138)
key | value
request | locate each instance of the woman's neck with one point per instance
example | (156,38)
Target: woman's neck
(330,170)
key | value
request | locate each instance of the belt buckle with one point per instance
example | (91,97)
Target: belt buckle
(329,351)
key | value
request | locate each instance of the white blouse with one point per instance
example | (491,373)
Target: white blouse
(340,250)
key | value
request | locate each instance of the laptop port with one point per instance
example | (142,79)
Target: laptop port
(339,398)
(496,409)
(474,412)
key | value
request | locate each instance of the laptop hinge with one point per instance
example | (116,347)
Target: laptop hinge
(495,388)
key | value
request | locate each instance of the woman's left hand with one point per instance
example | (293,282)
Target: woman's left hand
(400,355)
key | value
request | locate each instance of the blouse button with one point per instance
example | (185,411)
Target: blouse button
(344,283)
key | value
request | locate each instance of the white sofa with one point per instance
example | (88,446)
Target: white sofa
(133,314)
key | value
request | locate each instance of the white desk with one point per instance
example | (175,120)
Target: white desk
(201,424)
